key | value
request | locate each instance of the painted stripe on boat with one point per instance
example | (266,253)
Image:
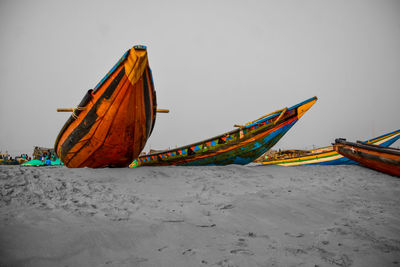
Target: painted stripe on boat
(112,70)
(86,124)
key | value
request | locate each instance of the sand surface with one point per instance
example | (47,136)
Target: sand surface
(199,216)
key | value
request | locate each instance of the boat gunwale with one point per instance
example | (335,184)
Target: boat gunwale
(366,146)
(383,136)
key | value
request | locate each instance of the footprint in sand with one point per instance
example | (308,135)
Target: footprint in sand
(242,251)
(242,247)
(295,235)
(225,206)
(162,248)
(189,252)
(295,251)
(130,261)
(226,263)
(241,242)
(332,258)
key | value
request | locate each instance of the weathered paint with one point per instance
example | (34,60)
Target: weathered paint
(113,127)
(240,146)
(379,158)
(330,156)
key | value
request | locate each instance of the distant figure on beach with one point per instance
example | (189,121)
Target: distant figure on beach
(48,162)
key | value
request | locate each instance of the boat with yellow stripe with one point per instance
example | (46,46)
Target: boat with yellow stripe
(383,159)
(324,155)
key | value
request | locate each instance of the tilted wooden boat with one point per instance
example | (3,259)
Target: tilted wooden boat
(324,155)
(240,146)
(383,159)
(111,125)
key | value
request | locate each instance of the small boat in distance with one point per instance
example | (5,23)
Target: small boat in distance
(239,146)
(324,155)
(383,159)
(111,125)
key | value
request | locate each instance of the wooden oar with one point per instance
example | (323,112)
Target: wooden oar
(282,112)
(71,110)
(162,110)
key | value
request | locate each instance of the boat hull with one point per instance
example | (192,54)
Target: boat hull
(9,162)
(330,156)
(240,146)
(386,160)
(111,125)
(242,153)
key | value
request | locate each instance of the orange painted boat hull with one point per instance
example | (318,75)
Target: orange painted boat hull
(112,123)
(383,159)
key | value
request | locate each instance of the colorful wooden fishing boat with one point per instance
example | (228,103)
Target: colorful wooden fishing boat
(112,123)
(240,146)
(383,159)
(324,155)
(9,162)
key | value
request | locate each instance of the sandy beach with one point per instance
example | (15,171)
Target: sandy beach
(199,216)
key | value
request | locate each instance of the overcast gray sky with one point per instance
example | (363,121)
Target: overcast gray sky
(215,64)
